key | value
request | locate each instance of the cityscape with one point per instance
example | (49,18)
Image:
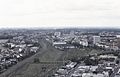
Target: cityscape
(67,52)
(59,38)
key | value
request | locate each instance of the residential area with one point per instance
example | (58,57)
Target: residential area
(15,48)
(60,53)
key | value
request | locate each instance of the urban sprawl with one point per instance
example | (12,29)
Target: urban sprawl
(102,61)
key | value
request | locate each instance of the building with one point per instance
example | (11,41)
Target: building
(3,40)
(96,39)
(59,43)
(72,33)
(57,34)
(118,36)
(84,42)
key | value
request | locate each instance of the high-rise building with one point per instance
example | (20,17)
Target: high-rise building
(96,39)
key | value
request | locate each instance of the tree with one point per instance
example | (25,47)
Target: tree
(44,69)
(117,62)
(36,60)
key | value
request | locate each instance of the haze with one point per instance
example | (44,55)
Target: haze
(59,13)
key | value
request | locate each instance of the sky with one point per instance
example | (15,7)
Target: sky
(59,13)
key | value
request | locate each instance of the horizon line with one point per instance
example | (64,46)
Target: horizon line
(59,27)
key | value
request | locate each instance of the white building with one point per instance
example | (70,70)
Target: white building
(84,42)
(93,75)
(59,43)
(57,34)
(71,65)
(118,36)
(96,39)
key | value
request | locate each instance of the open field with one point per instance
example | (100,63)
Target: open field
(73,53)
(35,70)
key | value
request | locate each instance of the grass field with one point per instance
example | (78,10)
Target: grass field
(73,53)
(35,70)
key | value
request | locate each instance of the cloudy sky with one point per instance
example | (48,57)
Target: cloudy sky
(59,13)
